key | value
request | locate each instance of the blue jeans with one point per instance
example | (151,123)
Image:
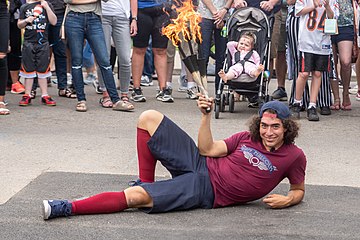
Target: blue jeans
(88,57)
(88,25)
(59,51)
(149,61)
(208,29)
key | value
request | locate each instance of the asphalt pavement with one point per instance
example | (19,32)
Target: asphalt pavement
(56,152)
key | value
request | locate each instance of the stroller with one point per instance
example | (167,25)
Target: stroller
(253,20)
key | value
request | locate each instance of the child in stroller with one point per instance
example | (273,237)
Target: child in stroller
(244,58)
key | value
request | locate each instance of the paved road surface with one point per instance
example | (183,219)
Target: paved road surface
(55,152)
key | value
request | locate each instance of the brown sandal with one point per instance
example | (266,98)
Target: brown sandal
(123,105)
(69,93)
(105,102)
(81,106)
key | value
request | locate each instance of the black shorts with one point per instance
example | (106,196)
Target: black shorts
(345,34)
(150,22)
(310,62)
(35,60)
(4,36)
(190,186)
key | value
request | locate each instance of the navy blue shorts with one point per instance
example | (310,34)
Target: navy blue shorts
(190,185)
(345,34)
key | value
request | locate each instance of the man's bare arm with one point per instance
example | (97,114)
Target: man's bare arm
(206,144)
(295,196)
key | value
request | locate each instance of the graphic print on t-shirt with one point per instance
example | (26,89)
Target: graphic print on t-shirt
(257,159)
(37,30)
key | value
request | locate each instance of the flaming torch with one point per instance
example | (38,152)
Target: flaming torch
(184,32)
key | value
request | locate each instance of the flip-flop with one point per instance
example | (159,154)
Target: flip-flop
(4,110)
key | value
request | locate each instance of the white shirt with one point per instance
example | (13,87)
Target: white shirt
(311,30)
(205,12)
(116,8)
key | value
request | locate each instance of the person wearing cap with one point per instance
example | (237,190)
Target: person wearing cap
(244,167)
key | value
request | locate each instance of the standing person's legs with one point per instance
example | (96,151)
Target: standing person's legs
(95,36)
(220,49)
(4,46)
(207,28)
(14,58)
(107,28)
(137,65)
(59,51)
(75,32)
(160,62)
(170,51)
(334,83)
(345,51)
(3,80)
(280,67)
(122,41)
(149,69)
(292,38)
(358,76)
(140,43)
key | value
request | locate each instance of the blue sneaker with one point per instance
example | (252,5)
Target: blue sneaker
(56,208)
(134,183)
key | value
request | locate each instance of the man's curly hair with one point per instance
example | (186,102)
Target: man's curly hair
(292,128)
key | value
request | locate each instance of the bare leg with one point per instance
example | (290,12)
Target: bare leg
(28,85)
(160,62)
(43,86)
(150,120)
(137,197)
(281,68)
(358,74)
(300,85)
(137,65)
(315,86)
(345,51)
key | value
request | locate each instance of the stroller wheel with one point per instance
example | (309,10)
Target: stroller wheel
(222,103)
(231,103)
(217,110)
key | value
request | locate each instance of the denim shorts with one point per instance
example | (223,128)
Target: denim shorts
(345,34)
(190,185)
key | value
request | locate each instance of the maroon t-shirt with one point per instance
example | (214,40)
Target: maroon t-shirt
(249,171)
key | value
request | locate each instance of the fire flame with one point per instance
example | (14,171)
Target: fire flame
(186,24)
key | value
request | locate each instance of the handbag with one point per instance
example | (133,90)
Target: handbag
(62,28)
(330,26)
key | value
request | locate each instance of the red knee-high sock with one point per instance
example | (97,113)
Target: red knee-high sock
(146,160)
(107,202)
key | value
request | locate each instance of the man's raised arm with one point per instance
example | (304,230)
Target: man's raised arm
(206,144)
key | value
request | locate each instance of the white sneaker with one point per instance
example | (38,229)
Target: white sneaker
(357,96)
(146,81)
(353,90)
(183,84)
(69,79)
(90,78)
(191,93)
